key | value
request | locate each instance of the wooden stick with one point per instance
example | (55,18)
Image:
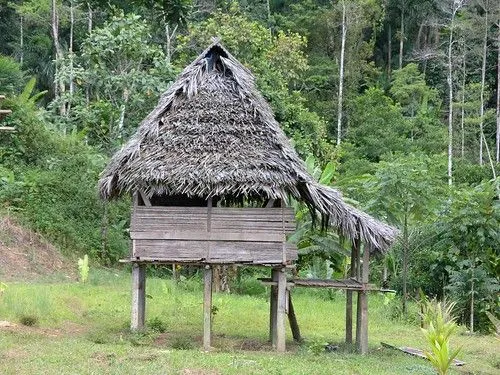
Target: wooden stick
(138,296)
(207,309)
(145,199)
(292,319)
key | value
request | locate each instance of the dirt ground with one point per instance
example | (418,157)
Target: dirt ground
(25,255)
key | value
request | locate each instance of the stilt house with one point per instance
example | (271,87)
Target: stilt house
(211,173)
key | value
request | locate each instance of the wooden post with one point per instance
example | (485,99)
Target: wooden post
(363,301)
(358,304)
(207,308)
(273,307)
(348,306)
(292,319)
(281,312)
(138,296)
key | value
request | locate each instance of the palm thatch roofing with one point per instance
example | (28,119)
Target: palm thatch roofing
(213,134)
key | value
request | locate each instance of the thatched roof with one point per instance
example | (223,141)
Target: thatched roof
(213,134)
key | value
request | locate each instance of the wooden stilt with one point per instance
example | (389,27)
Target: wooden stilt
(138,296)
(207,308)
(273,308)
(358,320)
(281,312)
(358,294)
(363,301)
(294,325)
(348,307)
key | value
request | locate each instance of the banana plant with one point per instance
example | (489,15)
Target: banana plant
(322,253)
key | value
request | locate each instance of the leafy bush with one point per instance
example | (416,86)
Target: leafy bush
(11,75)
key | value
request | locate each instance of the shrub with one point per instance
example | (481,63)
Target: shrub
(29,320)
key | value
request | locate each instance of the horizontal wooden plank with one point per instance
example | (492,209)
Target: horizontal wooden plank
(236,225)
(230,211)
(207,236)
(250,218)
(226,251)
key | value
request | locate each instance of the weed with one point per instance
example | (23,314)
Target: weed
(99,337)
(315,345)
(157,325)
(140,338)
(182,343)
(29,320)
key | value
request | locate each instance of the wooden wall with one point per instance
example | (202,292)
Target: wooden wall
(213,235)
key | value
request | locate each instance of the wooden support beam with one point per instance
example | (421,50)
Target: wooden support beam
(358,305)
(292,319)
(207,308)
(349,304)
(281,312)
(145,199)
(273,306)
(138,296)
(363,305)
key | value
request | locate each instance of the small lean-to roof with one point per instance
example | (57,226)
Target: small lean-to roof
(213,134)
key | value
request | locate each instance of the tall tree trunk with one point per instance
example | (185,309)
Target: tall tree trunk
(483,79)
(268,8)
(462,115)
(341,74)
(71,56)
(401,37)
(389,53)
(89,18)
(498,95)
(450,102)
(59,87)
(170,37)
(21,42)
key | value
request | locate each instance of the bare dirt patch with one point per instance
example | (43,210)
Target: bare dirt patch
(194,371)
(26,255)
(66,329)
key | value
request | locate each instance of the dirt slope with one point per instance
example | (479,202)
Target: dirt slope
(25,255)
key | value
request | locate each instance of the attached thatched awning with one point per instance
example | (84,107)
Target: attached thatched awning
(213,134)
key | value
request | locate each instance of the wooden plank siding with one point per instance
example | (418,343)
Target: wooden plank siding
(226,235)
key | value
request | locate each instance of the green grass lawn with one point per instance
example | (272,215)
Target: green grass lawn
(82,329)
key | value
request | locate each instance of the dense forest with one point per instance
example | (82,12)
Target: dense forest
(394,102)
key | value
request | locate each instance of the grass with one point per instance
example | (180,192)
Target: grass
(83,329)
